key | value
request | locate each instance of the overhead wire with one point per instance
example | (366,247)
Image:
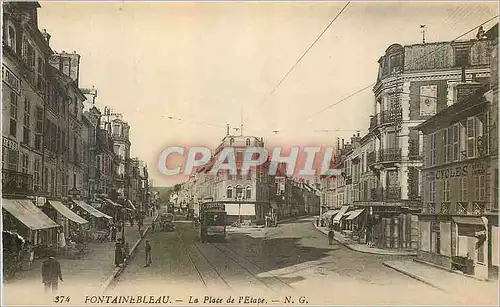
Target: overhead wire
(302,56)
(404,66)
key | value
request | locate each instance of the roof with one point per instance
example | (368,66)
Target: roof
(455,112)
(61,208)
(91,209)
(28,214)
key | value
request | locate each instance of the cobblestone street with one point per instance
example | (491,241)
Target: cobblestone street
(293,258)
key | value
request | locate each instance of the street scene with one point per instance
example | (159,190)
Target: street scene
(250,153)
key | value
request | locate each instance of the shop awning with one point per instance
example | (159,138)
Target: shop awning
(131,205)
(329,213)
(91,209)
(469,225)
(340,214)
(354,214)
(28,214)
(112,202)
(61,208)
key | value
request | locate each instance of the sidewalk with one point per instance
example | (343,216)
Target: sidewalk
(468,289)
(362,247)
(86,273)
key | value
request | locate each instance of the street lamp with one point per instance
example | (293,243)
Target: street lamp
(239,197)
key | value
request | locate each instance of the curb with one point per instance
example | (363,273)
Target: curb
(349,246)
(416,277)
(450,270)
(118,271)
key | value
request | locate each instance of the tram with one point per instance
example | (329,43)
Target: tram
(213,221)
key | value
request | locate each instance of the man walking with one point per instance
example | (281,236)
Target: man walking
(51,273)
(148,253)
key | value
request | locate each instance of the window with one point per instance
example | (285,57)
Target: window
(11,39)
(74,181)
(229,192)
(248,193)
(38,128)
(470,137)
(37,166)
(447,146)
(248,142)
(231,141)
(24,163)
(446,190)
(432,190)
(462,56)
(480,251)
(26,121)
(53,183)
(75,105)
(495,190)
(13,114)
(116,130)
(433,149)
(13,158)
(40,82)
(456,142)
(46,180)
(239,192)
(480,187)
(463,189)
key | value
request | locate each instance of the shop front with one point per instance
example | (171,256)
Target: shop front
(456,242)
(71,223)
(22,217)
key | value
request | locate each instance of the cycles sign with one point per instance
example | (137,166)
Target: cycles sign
(458,171)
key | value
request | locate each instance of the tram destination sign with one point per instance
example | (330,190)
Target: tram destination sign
(213,206)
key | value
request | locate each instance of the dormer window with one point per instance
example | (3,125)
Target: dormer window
(231,141)
(248,142)
(395,63)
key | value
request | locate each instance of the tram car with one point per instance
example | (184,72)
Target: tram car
(213,221)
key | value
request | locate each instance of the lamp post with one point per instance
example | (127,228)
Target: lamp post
(239,196)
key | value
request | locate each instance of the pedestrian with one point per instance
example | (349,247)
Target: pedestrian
(153,224)
(113,233)
(51,273)
(331,235)
(118,253)
(148,253)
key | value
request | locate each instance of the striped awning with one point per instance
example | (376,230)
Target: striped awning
(28,214)
(93,211)
(61,208)
(329,213)
(354,214)
(340,214)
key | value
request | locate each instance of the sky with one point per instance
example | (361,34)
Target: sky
(212,64)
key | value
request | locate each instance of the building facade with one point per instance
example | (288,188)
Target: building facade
(459,222)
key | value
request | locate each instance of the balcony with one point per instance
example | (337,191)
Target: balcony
(390,193)
(389,155)
(16,183)
(371,158)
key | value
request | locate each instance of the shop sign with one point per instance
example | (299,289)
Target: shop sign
(458,171)
(10,144)
(213,206)
(11,79)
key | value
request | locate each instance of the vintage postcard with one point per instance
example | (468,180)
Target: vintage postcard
(249,153)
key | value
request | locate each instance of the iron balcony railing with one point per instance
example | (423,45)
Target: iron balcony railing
(390,193)
(389,155)
(16,183)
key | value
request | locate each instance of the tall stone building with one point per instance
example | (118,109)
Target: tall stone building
(121,146)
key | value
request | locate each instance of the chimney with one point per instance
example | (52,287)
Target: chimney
(343,144)
(227,129)
(46,36)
